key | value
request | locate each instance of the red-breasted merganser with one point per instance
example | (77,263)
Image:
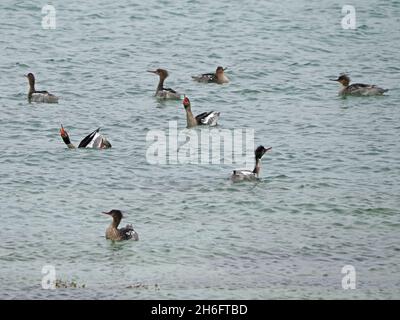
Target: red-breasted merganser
(39,96)
(357,89)
(217,77)
(205,118)
(240,175)
(115,234)
(161,92)
(93,140)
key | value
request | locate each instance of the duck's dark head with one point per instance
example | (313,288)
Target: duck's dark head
(162,73)
(260,151)
(31,79)
(115,214)
(344,79)
(64,135)
(186,102)
(220,70)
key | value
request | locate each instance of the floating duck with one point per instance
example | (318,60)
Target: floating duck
(161,92)
(357,89)
(240,175)
(39,96)
(94,140)
(115,234)
(205,118)
(217,77)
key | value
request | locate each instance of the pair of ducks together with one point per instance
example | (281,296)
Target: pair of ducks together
(126,233)
(97,141)
(163,93)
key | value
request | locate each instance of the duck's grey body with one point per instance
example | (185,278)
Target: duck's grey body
(167,94)
(240,175)
(42,97)
(360,89)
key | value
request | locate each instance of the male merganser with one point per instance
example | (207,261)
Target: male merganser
(239,175)
(161,92)
(357,89)
(39,96)
(217,77)
(93,140)
(115,234)
(205,118)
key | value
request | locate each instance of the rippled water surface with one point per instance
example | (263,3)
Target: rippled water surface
(329,190)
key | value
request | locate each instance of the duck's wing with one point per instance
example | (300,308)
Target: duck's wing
(128,233)
(169,90)
(205,77)
(364,89)
(208,118)
(238,175)
(90,139)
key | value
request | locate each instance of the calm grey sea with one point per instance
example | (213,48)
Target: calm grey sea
(329,190)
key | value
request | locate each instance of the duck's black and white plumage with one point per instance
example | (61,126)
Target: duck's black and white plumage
(205,118)
(217,77)
(248,175)
(358,89)
(161,92)
(93,140)
(115,234)
(39,96)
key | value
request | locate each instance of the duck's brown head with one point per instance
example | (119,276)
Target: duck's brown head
(115,214)
(186,102)
(260,151)
(64,135)
(31,79)
(162,73)
(220,70)
(344,79)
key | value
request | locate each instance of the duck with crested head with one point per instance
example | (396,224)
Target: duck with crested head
(205,118)
(161,92)
(217,77)
(357,89)
(115,234)
(93,140)
(248,175)
(39,96)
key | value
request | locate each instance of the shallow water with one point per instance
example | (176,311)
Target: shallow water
(329,190)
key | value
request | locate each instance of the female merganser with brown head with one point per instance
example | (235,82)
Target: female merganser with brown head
(93,140)
(240,175)
(357,89)
(161,92)
(205,118)
(217,77)
(115,234)
(39,96)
